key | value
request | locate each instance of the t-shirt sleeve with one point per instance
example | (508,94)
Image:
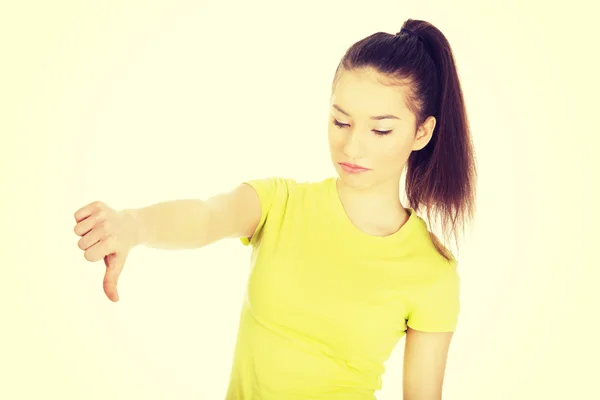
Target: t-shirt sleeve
(272,193)
(437,309)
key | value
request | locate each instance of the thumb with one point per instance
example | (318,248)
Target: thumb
(114,265)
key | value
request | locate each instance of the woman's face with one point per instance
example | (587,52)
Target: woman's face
(371,126)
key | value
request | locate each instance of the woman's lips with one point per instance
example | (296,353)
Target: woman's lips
(353,168)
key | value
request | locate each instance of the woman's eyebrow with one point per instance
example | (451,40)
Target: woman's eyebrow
(377,117)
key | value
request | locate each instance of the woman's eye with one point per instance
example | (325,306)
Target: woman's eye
(381,132)
(339,124)
(342,126)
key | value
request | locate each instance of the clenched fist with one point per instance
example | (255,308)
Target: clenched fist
(106,234)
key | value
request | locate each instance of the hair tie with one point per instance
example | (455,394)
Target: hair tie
(416,35)
(413,34)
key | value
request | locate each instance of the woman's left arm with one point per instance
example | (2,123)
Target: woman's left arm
(425,356)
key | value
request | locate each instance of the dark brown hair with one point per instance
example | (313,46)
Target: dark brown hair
(442,175)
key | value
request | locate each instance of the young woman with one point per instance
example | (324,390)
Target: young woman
(341,270)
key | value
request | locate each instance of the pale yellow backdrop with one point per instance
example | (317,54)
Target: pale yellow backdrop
(134,102)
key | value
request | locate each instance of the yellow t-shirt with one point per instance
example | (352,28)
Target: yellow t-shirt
(326,303)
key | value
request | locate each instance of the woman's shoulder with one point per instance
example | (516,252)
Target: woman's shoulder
(428,247)
(441,249)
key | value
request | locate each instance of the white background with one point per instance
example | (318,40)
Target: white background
(135,102)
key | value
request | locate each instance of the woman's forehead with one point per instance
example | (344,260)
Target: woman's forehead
(364,93)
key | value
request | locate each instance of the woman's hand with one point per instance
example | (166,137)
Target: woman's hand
(106,234)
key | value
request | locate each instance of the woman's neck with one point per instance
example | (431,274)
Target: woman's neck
(375,209)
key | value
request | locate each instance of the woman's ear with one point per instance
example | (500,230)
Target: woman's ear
(424,133)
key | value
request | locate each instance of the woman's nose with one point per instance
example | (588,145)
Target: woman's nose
(353,146)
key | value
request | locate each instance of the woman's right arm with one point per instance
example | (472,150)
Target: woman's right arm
(194,223)
(178,224)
